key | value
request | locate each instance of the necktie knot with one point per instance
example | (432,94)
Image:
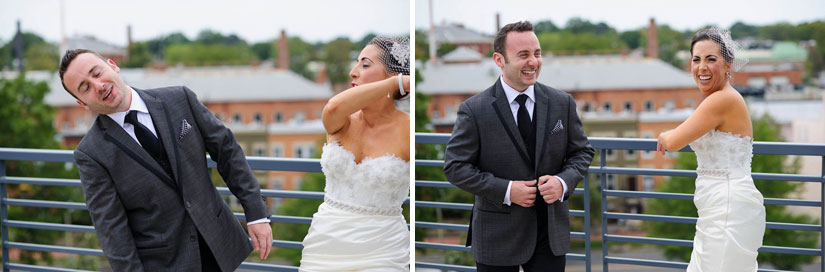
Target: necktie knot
(521,99)
(131,117)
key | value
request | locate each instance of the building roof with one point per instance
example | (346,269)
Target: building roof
(211,84)
(91,43)
(463,54)
(570,73)
(458,34)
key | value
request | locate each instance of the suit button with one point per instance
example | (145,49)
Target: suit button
(188,205)
(191,238)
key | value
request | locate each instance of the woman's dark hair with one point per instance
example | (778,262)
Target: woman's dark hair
(394,55)
(711,35)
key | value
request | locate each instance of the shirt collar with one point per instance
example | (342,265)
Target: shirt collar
(137,104)
(512,93)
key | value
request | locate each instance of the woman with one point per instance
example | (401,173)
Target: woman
(731,219)
(359,227)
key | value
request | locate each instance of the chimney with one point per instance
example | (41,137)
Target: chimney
(652,40)
(18,47)
(129,35)
(431,36)
(498,22)
(283,51)
(321,77)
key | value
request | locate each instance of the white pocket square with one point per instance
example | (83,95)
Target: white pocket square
(557,128)
(185,127)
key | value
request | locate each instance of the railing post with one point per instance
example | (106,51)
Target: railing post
(4,231)
(603,180)
(587,255)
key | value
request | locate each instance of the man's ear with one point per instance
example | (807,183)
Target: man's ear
(82,104)
(498,59)
(114,65)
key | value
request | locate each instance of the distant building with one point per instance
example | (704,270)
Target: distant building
(107,50)
(463,37)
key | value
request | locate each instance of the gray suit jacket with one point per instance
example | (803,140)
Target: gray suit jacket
(145,219)
(486,151)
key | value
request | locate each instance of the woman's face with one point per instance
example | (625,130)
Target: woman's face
(369,67)
(709,67)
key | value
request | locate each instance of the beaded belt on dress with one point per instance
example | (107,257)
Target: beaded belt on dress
(723,173)
(361,209)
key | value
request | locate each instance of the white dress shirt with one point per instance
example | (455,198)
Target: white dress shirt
(530,103)
(146,119)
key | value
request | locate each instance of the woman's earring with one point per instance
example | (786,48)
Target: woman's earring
(728,74)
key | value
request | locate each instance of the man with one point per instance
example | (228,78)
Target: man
(520,148)
(144,175)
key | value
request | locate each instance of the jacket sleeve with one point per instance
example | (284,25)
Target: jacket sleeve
(461,161)
(108,214)
(232,165)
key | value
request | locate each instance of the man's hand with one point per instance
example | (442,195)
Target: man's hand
(550,188)
(523,193)
(261,235)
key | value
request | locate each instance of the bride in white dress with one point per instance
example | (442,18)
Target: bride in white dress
(359,227)
(731,219)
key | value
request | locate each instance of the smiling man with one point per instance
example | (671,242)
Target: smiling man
(144,174)
(520,148)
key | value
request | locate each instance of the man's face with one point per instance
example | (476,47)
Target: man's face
(97,84)
(523,59)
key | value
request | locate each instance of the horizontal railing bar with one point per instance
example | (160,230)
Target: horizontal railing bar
(444,184)
(277,164)
(429,163)
(446,226)
(48,226)
(281,219)
(689,243)
(442,246)
(443,205)
(692,173)
(692,220)
(681,196)
(643,262)
(35,268)
(52,248)
(46,203)
(31,154)
(644,144)
(280,193)
(41,181)
(267,267)
(447,267)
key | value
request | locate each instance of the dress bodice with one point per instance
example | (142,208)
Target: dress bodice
(375,185)
(723,151)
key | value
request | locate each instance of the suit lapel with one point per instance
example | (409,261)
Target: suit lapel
(542,119)
(115,134)
(163,126)
(505,116)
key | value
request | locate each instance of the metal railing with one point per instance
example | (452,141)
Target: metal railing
(44,155)
(605,144)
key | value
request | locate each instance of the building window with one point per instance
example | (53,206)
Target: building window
(304,150)
(279,117)
(647,154)
(436,115)
(691,103)
(647,183)
(236,118)
(586,107)
(611,182)
(649,105)
(260,152)
(628,106)
(257,118)
(608,107)
(300,116)
(278,151)
(611,155)
(669,105)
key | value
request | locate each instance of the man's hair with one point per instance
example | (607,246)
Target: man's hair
(67,59)
(501,37)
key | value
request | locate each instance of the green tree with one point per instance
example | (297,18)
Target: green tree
(544,26)
(198,54)
(422,45)
(301,53)
(336,56)
(139,55)
(632,38)
(764,129)
(28,123)
(38,54)
(262,50)
(741,30)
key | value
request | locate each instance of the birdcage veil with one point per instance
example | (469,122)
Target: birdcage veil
(731,50)
(395,54)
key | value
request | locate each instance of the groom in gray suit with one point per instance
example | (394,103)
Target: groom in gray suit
(520,148)
(144,175)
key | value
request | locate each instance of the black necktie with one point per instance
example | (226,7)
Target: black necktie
(525,126)
(148,140)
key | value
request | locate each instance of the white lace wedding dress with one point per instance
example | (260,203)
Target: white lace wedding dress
(359,227)
(731,211)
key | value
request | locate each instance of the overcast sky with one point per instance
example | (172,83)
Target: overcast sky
(620,14)
(254,21)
